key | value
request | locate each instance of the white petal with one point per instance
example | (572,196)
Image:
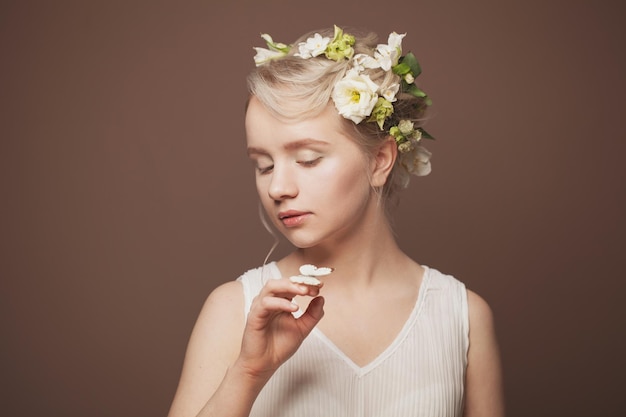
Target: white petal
(362,61)
(395,40)
(313,271)
(417,162)
(355,96)
(302,279)
(263,55)
(390,92)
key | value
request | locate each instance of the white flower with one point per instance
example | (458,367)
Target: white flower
(362,61)
(314,46)
(417,135)
(388,55)
(405,147)
(355,96)
(406,127)
(263,55)
(416,161)
(390,92)
(275,46)
(395,40)
(409,78)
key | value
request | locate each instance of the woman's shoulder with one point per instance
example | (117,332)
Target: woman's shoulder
(227,293)
(484,375)
(213,346)
(263,272)
(480,313)
(479,309)
(253,279)
(223,306)
(437,280)
(235,296)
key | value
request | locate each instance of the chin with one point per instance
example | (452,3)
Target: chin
(300,241)
(302,244)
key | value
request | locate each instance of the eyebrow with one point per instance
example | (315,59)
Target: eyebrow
(301,143)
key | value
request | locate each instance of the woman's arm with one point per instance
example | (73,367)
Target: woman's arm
(229,361)
(483,384)
(212,348)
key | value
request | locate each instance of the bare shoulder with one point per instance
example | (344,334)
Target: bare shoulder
(480,313)
(213,346)
(222,315)
(225,298)
(483,395)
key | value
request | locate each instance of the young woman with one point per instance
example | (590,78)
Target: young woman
(333,128)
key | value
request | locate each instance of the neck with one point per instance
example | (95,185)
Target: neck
(358,259)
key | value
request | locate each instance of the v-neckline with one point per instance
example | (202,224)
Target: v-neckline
(395,343)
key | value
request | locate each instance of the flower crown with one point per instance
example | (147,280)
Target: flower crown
(357,97)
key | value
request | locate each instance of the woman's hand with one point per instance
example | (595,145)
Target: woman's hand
(222,375)
(272,334)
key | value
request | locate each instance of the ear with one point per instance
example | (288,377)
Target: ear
(383,160)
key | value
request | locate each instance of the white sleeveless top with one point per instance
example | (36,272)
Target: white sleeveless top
(421,373)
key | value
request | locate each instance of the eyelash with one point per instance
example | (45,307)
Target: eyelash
(265,170)
(306,164)
(310,163)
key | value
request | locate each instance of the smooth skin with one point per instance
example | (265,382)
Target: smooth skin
(317,187)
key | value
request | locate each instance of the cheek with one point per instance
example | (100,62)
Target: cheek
(343,178)
(261,189)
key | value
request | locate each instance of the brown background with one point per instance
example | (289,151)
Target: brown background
(127,197)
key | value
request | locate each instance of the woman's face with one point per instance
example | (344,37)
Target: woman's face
(311,178)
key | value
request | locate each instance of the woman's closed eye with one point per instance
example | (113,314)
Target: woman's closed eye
(310,162)
(265,169)
(305,162)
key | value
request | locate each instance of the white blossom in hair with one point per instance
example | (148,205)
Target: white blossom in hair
(390,92)
(362,61)
(357,97)
(417,160)
(275,50)
(387,55)
(314,46)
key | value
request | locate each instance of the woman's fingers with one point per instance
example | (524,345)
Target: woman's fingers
(273,333)
(269,304)
(276,297)
(313,314)
(284,288)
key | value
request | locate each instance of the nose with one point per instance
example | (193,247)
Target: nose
(282,184)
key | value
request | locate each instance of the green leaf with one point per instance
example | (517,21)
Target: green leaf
(401,69)
(410,60)
(414,90)
(417,92)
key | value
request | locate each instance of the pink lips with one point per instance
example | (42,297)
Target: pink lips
(291,218)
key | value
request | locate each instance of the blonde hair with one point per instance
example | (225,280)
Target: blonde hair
(293,88)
